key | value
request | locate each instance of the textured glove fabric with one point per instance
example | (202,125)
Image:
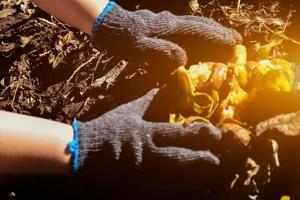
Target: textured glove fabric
(162,37)
(122,135)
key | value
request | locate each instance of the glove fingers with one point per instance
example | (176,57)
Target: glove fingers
(204,39)
(209,29)
(198,19)
(195,136)
(182,156)
(161,52)
(237,36)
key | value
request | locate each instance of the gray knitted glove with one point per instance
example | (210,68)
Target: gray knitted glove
(121,138)
(163,39)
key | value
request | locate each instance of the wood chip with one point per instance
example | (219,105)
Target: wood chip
(7,12)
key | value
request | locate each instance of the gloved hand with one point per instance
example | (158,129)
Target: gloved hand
(162,39)
(121,139)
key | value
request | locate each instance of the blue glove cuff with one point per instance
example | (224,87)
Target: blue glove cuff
(73,146)
(100,18)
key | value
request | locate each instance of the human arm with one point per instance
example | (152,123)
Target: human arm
(31,145)
(120,138)
(78,13)
(163,40)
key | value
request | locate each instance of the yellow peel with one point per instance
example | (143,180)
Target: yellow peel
(239,55)
(185,81)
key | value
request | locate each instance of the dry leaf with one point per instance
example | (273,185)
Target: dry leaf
(65,39)
(7,12)
(194,5)
(6,47)
(25,40)
(55,59)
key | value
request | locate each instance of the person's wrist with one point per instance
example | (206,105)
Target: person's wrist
(100,18)
(86,143)
(73,146)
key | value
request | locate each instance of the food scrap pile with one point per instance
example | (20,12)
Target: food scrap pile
(217,93)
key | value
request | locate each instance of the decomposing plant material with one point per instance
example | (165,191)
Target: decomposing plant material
(217,93)
(254,19)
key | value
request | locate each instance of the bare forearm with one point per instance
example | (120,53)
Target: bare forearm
(30,145)
(78,13)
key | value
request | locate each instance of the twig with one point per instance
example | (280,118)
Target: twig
(60,23)
(212,2)
(15,94)
(6,88)
(46,21)
(45,53)
(82,65)
(282,35)
(287,20)
(238,5)
(111,76)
